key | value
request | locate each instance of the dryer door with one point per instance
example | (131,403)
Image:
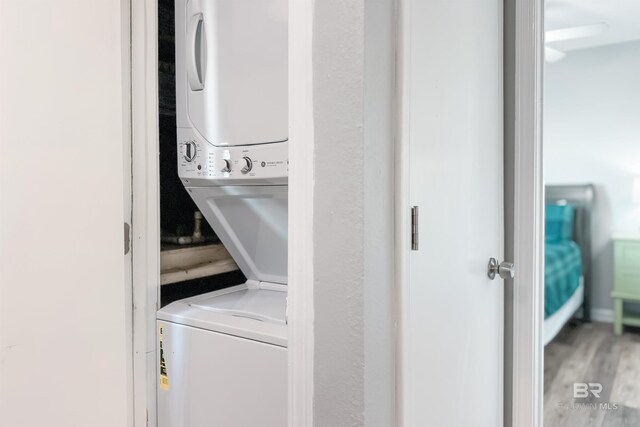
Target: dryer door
(235,55)
(252,223)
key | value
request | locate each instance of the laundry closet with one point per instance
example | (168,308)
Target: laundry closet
(223,122)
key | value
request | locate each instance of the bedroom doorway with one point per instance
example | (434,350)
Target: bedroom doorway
(591,331)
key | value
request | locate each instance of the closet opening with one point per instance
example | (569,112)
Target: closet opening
(221,325)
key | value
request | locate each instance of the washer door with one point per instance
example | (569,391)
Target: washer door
(252,222)
(236,70)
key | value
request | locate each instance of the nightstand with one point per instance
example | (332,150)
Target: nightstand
(626,283)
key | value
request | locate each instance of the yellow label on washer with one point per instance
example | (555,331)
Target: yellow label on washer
(164,378)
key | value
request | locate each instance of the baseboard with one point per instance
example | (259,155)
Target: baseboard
(602,315)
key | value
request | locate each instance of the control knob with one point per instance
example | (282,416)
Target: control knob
(226,165)
(189,150)
(248,165)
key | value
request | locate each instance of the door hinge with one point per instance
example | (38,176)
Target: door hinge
(127,238)
(414,228)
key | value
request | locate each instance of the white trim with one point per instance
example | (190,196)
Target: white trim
(528,298)
(125,45)
(145,231)
(604,315)
(403,210)
(301,187)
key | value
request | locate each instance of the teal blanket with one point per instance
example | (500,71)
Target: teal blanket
(562,271)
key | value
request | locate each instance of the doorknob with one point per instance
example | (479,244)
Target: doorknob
(505,270)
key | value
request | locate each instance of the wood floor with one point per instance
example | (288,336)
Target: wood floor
(591,353)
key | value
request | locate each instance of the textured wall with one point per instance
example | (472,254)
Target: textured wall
(353,63)
(338,92)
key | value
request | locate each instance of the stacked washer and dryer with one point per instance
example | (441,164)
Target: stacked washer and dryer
(223,355)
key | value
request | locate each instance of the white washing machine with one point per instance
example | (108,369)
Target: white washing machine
(223,359)
(223,355)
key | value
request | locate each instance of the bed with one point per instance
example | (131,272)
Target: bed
(568,278)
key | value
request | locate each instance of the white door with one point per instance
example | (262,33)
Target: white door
(453,335)
(65,296)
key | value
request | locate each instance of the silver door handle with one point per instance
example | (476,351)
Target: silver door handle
(506,270)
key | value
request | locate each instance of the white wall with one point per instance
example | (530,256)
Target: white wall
(64,333)
(341,200)
(592,134)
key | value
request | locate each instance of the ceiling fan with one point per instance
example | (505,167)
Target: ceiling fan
(569,33)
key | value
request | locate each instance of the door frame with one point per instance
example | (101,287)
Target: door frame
(125,13)
(145,227)
(526,207)
(301,338)
(145,230)
(524,204)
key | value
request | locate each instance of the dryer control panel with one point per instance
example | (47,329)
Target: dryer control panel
(202,163)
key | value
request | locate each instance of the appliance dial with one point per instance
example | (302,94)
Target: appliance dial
(226,165)
(248,165)
(189,151)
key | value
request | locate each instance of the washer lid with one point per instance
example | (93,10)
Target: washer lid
(256,311)
(252,224)
(258,304)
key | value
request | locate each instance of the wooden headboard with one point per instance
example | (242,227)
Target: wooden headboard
(582,198)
